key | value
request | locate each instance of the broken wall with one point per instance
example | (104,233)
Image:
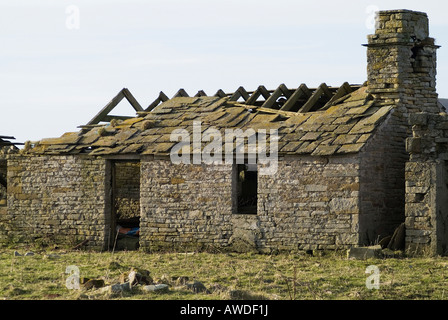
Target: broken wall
(402,67)
(427,185)
(382,181)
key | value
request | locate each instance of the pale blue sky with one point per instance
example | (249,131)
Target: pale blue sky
(54,78)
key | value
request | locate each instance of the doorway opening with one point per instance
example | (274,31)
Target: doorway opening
(125,205)
(3,184)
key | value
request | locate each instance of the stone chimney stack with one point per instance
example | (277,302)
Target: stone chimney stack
(402,61)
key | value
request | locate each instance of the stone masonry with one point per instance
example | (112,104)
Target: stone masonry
(311,203)
(402,70)
(60,197)
(5,152)
(402,61)
(427,184)
(127,190)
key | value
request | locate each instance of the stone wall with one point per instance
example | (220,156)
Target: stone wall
(311,203)
(126,189)
(60,198)
(184,206)
(382,181)
(427,185)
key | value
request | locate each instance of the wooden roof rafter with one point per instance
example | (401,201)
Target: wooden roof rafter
(240,93)
(181,93)
(301,92)
(261,91)
(322,90)
(103,115)
(300,100)
(161,98)
(316,133)
(201,93)
(282,90)
(343,90)
(4,141)
(220,94)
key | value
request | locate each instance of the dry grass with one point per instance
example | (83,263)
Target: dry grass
(328,276)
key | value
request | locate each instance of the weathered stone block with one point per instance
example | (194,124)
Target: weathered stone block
(414,145)
(316,188)
(420,119)
(344,205)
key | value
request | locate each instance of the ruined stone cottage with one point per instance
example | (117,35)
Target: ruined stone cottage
(343,178)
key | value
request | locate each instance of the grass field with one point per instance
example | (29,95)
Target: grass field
(325,275)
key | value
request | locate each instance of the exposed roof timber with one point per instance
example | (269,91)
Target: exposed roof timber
(282,90)
(300,100)
(181,93)
(239,93)
(124,93)
(201,93)
(7,137)
(317,94)
(261,91)
(299,134)
(341,92)
(161,98)
(5,143)
(302,91)
(220,94)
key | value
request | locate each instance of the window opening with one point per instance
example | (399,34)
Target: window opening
(246,188)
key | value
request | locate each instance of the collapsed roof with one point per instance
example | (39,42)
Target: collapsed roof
(5,141)
(322,121)
(7,146)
